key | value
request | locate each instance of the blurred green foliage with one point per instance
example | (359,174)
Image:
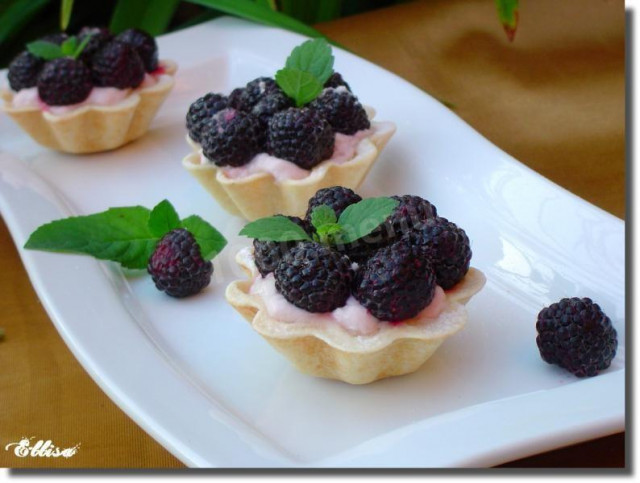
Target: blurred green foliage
(22,21)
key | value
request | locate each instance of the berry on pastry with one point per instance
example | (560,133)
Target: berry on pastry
(335,316)
(61,84)
(317,133)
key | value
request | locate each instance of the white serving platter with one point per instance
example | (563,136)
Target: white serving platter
(194,375)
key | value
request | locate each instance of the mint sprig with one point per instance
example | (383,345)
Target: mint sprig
(306,70)
(127,235)
(356,221)
(49,51)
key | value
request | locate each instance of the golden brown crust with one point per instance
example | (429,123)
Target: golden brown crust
(259,195)
(330,351)
(91,129)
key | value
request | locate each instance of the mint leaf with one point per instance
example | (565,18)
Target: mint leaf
(508,15)
(313,56)
(323,215)
(210,240)
(68,47)
(362,218)
(45,50)
(163,218)
(274,228)
(299,85)
(118,234)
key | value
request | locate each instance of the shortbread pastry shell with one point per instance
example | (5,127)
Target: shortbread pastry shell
(260,195)
(329,351)
(91,129)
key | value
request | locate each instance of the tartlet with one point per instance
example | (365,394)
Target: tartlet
(330,351)
(92,92)
(94,128)
(260,194)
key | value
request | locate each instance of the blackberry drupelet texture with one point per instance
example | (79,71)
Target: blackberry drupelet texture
(177,266)
(336,197)
(245,98)
(336,80)
(144,44)
(100,36)
(202,110)
(342,110)
(232,138)
(267,254)
(313,277)
(395,284)
(24,70)
(446,245)
(117,65)
(576,335)
(269,104)
(64,81)
(300,135)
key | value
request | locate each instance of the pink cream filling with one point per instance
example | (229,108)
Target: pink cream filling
(281,169)
(99,96)
(353,317)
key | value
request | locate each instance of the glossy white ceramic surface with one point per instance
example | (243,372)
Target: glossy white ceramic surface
(196,377)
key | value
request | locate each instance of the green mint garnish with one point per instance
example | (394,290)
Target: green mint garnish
(274,228)
(356,221)
(127,235)
(314,57)
(49,50)
(306,70)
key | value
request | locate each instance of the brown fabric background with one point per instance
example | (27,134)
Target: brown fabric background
(554,99)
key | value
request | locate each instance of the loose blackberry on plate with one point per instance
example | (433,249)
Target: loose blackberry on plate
(576,335)
(303,153)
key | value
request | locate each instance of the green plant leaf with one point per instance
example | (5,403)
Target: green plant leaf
(210,240)
(312,56)
(163,218)
(323,215)
(363,217)
(274,228)
(82,45)
(16,16)
(508,14)
(69,46)
(66,6)
(45,50)
(300,86)
(152,16)
(260,13)
(118,234)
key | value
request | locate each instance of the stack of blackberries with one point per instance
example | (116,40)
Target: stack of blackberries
(107,60)
(393,272)
(261,118)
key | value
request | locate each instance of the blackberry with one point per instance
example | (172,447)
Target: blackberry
(313,277)
(100,36)
(342,110)
(144,44)
(64,81)
(576,335)
(231,138)
(267,254)
(24,70)
(245,98)
(336,197)
(446,245)
(300,135)
(176,265)
(202,110)
(117,65)
(336,80)
(269,104)
(394,284)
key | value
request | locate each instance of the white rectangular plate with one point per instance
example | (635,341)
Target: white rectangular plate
(196,377)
